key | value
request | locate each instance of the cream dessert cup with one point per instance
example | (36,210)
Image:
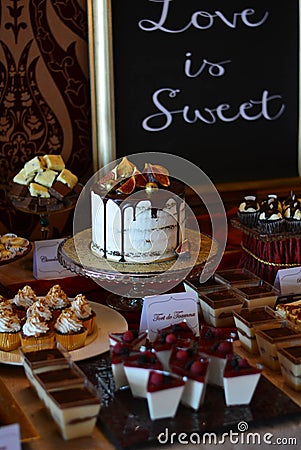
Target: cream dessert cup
(195,369)
(270,340)
(164,392)
(137,369)
(74,409)
(290,365)
(257,293)
(218,305)
(246,319)
(240,381)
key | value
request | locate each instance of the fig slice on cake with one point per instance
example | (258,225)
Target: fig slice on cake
(128,186)
(183,249)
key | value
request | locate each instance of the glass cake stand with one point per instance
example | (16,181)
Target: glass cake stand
(129,282)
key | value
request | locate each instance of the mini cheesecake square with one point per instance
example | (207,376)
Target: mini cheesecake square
(45,177)
(271,339)
(23,178)
(257,293)
(246,320)
(289,307)
(68,178)
(34,165)
(54,162)
(290,365)
(218,305)
(37,190)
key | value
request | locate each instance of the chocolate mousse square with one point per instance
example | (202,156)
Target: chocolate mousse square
(59,190)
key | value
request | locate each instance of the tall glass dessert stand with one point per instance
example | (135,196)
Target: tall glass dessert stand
(129,282)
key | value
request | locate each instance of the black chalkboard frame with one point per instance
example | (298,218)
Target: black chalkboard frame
(111,141)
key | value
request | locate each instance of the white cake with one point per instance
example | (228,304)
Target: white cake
(134,221)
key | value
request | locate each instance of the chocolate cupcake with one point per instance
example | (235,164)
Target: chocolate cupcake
(248,211)
(270,218)
(292,217)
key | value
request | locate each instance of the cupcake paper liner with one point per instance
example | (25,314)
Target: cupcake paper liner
(293,226)
(72,341)
(271,226)
(9,341)
(249,219)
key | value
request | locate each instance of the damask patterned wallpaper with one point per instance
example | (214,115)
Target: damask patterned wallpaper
(44,95)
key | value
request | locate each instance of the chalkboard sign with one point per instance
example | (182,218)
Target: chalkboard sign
(214,82)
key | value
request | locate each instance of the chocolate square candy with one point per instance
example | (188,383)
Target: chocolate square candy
(18,190)
(59,190)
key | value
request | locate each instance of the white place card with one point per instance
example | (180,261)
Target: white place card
(160,311)
(288,281)
(46,265)
(10,437)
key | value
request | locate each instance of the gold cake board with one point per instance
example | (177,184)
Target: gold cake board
(76,255)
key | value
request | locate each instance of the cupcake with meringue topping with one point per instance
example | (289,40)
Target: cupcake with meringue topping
(23,299)
(57,300)
(84,312)
(10,327)
(40,307)
(37,332)
(69,330)
(5,304)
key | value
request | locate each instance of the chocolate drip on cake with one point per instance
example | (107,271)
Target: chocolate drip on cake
(158,201)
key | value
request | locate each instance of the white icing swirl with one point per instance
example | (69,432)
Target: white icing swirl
(35,326)
(9,322)
(41,309)
(5,305)
(24,297)
(57,298)
(81,307)
(68,322)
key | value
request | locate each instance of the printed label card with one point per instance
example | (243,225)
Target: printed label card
(10,438)
(46,265)
(288,281)
(161,311)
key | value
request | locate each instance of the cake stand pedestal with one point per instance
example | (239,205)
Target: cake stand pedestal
(130,282)
(30,205)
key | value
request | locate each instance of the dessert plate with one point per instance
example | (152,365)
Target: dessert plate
(107,320)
